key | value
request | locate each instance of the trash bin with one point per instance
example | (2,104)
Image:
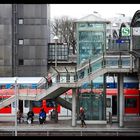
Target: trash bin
(54,116)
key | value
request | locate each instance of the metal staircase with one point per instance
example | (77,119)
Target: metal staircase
(85,73)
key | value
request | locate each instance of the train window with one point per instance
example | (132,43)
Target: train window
(26,103)
(37,103)
(130,102)
(81,75)
(23,86)
(108,102)
(1,99)
(50,103)
(2,86)
(34,86)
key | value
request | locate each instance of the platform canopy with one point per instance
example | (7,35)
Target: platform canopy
(20,80)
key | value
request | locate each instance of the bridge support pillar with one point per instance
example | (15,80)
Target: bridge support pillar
(121,100)
(73,107)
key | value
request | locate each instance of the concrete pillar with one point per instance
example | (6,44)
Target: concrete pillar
(131,48)
(121,101)
(118,96)
(74,107)
(104,97)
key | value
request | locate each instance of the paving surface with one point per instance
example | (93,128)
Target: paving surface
(64,126)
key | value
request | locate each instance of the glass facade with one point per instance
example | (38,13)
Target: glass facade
(91,98)
(62,52)
(91,40)
(93,105)
(91,43)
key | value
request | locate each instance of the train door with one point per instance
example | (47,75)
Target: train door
(26,106)
(114,105)
(108,105)
(20,105)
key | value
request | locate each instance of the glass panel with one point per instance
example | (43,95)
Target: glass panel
(93,105)
(26,103)
(136,42)
(125,62)
(91,26)
(90,44)
(112,62)
(50,103)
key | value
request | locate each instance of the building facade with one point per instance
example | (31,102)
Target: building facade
(24,37)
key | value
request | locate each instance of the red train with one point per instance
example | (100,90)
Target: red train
(131,93)
(7,90)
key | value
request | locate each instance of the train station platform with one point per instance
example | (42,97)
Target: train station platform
(64,128)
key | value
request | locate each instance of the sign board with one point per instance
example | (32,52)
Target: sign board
(136,31)
(125,31)
(120,41)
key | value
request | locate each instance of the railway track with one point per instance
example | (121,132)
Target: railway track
(134,132)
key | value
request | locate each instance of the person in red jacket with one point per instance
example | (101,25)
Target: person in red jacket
(82,117)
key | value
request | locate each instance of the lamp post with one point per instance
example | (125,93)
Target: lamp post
(16,106)
(56,40)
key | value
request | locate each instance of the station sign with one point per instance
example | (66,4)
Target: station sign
(120,41)
(125,31)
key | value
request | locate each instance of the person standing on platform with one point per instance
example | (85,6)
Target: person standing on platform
(82,117)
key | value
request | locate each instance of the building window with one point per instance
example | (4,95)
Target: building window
(20,21)
(20,41)
(62,51)
(20,62)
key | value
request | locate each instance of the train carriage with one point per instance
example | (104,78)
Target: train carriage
(131,94)
(7,90)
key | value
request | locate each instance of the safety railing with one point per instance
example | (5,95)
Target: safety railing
(90,67)
(61,78)
(6,95)
(112,62)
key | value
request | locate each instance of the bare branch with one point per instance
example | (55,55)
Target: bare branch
(64,27)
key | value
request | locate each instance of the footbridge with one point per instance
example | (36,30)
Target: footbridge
(86,72)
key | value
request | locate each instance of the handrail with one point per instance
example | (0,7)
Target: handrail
(100,65)
(94,65)
(5,95)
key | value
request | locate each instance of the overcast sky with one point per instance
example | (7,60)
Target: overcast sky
(81,10)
